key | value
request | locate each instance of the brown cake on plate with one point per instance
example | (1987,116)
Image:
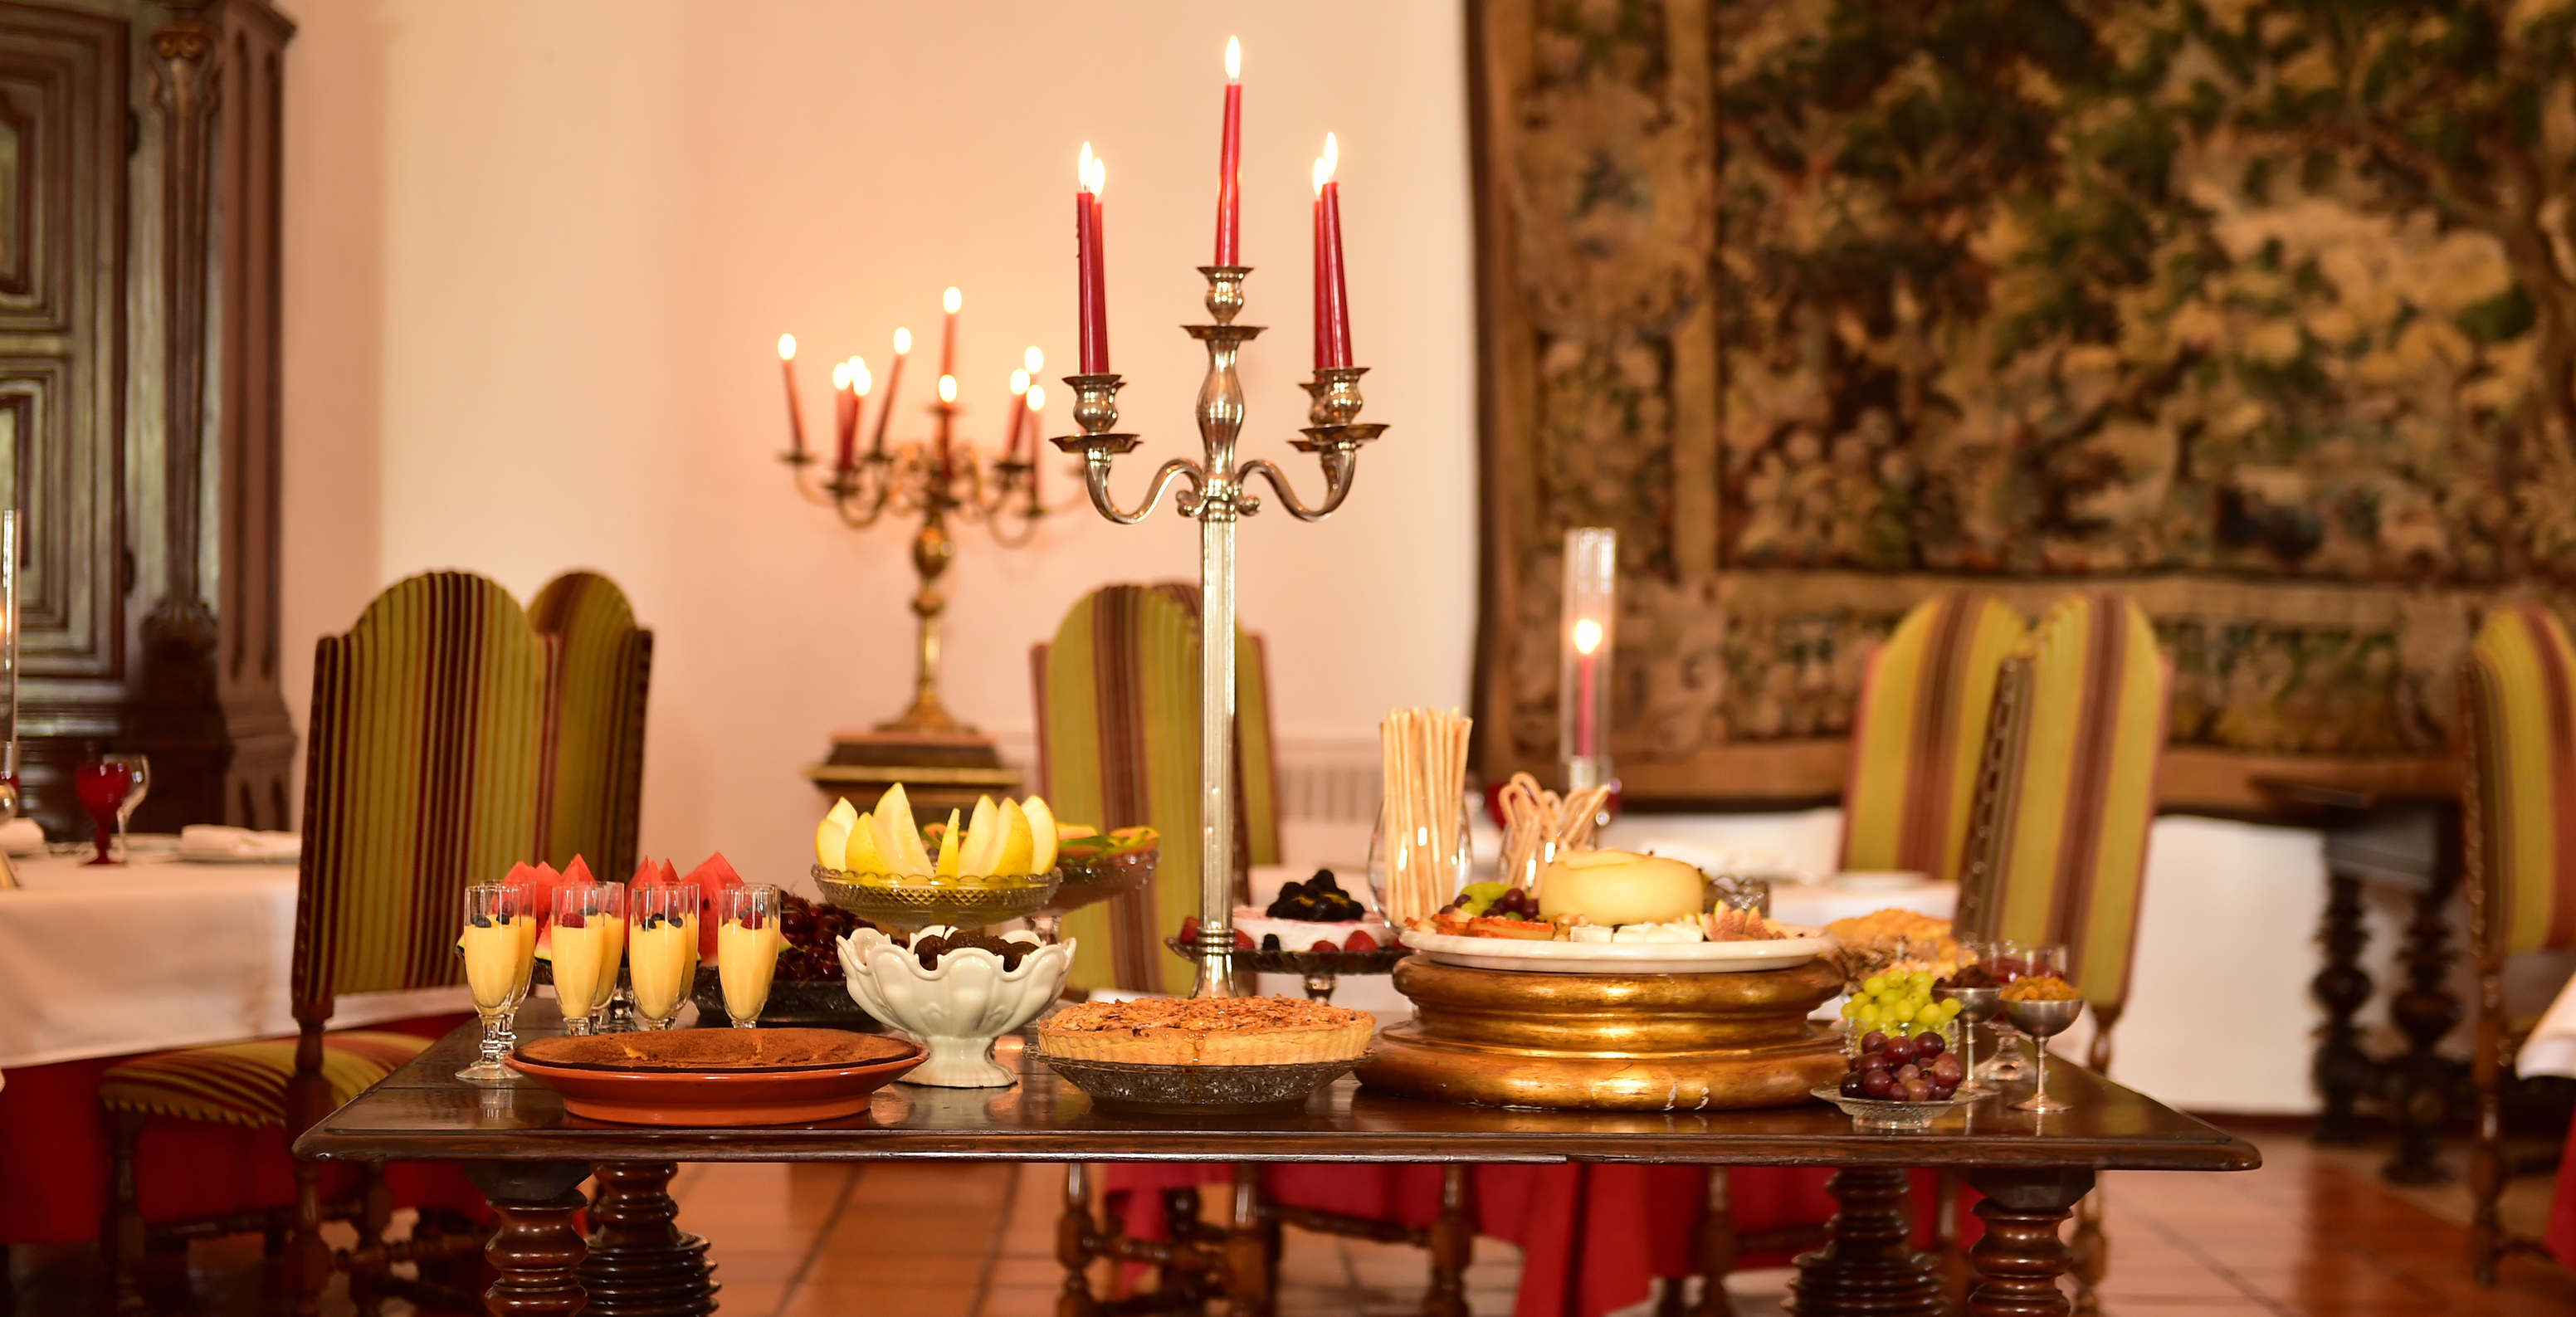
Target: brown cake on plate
(1235,1031)
(717,1050)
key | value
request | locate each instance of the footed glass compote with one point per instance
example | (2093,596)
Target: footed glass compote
(494,952)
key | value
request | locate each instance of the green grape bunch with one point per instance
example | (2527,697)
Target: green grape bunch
(1899,1003)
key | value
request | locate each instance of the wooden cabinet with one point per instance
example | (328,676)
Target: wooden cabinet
(139,247)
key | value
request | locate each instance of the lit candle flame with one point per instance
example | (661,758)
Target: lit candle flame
(1587,636)
(902,342)
(840,374)
(1035,361)
(1019,381)
(787,347)
(1233,60)
(948,388)
(951,300)
(1082,171)
(859,377)
(1330,161)
(1095,172)
(1037,397)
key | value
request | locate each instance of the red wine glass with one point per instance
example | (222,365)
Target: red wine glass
(102,788)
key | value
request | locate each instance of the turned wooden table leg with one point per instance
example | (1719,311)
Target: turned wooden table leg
(2426,1012)
(641,1263)
(2341,1070)
(1247,1255)
(1453,1246)
(1868,1265)
(1716,1250)
(535,1248)
(1076,1243)
(2021,1257)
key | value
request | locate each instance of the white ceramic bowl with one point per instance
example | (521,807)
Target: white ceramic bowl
(958,1009)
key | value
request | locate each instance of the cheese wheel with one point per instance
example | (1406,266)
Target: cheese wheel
(1618,887)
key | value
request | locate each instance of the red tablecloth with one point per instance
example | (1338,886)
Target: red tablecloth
(54,1158)
(2561,1235)
(1592,1235)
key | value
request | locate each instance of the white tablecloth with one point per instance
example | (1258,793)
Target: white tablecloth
(157,954)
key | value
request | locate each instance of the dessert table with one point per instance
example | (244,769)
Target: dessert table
(527,1154)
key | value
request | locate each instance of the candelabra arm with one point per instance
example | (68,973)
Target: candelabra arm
(1095,477)
(1338,468)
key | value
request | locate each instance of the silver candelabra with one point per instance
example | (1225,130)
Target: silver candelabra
(1216,498)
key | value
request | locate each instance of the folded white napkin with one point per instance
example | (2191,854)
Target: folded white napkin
(22,837)
(215,841)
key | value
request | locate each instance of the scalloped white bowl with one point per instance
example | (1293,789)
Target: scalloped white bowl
(958,1009)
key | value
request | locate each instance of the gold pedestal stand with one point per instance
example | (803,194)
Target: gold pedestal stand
(1610,1042)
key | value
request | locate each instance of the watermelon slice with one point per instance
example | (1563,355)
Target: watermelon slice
(711,877)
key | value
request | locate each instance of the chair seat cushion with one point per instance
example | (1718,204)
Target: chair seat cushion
(245,1083)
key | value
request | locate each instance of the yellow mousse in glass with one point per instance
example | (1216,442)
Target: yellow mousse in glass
(746,958)
(661,958)
(583,968)
(492,960)
(527,926)
(1609,888)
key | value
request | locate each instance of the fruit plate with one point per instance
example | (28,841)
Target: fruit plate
(1198,1089)
(1091,879)
(1621,957)
(913,902)
(784,1095)
(1380,961)
(1884,1117)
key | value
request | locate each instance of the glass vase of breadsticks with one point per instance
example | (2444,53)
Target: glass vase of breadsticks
(1540,825)
(1420,853)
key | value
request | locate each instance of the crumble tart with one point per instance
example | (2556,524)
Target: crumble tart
(1207,1031)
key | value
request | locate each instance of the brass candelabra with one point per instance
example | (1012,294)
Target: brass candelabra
(936,479)
(1217,497)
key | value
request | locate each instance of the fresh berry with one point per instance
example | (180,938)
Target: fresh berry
(1270,942)
(1359,941)
(1929,1045)
(1325,944)
(1190,929)
(1242,940)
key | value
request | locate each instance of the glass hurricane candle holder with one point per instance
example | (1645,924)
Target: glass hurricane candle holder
(1583,671)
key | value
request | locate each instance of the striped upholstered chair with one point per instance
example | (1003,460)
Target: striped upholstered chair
(599,665)
(1920,729)
(2518,698)
(1118,746)
(2066,793)
(420,777)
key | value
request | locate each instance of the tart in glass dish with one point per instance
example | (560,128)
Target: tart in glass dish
(1231,1031)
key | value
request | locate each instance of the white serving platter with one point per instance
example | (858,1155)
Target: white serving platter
(1620,957)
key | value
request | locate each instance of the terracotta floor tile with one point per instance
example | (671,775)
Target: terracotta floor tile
(1044,1271)
(1019,1301)
(877,1299)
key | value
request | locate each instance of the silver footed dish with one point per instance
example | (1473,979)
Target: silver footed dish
(1198,1088)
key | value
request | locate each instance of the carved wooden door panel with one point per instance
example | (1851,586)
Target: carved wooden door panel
(63,86)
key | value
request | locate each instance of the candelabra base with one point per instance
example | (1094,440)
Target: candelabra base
(940,771)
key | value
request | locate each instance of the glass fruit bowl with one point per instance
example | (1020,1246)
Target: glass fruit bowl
(1890,1117)
(913,901)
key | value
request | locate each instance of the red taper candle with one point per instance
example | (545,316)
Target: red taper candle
(1229,162)
(948,304)
(1091,301)
(795,414)
(894,384)
(1335,294)
(845,416)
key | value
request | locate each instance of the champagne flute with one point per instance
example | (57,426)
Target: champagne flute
(138,773)
(102,787)
(747,947)
(582,966)
(661,950)
(492,946)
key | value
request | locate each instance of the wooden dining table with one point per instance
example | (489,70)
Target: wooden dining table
(529,1156)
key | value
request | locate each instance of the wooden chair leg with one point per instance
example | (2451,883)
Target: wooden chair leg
(123,1232)
(2092,1253)
(1075,1244)
(2486,1152)
(308,1259)
(1247,1280)
(1717,1251)
(1453,1246)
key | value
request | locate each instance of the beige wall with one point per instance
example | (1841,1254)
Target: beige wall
(538,255)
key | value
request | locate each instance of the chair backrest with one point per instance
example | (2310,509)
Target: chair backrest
(1118,745)
(2518,797)
(420,776)
(599,665)
(1925,697)
(2067,792)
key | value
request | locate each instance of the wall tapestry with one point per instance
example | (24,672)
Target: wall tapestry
(2263,312)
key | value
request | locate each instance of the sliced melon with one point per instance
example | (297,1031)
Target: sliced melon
(898,837)
(1017,845)
(862,854)
(947,866)
(983,839)
(831,841)
(1041,833)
